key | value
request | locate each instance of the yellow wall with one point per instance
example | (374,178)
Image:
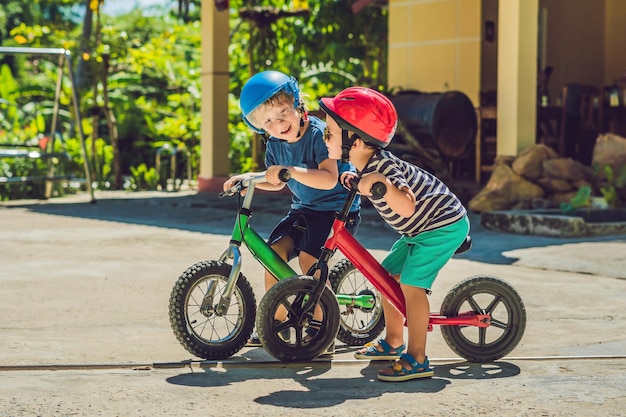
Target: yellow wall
(434,45)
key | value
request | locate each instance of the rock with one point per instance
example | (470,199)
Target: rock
(566,169)
(489,200)
(504,160)
(581,183)
(554,185)
(504,190)
(559,198)
(610,150)
(539,203)
(539,173)
(529,163)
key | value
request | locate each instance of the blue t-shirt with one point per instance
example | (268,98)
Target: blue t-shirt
(309,152)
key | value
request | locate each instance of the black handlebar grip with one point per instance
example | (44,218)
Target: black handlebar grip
(284,175)
(353,182)
(379,189)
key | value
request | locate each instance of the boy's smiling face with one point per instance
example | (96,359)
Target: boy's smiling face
(332,137)
(280,119)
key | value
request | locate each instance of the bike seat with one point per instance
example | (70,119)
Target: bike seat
(465,246)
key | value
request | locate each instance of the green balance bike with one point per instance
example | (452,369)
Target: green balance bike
(212,307)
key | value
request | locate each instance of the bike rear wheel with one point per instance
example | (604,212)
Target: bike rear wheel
(288,340)
(358,325)
(484,294)
(202,331)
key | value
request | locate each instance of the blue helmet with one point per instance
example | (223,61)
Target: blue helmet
(261,87)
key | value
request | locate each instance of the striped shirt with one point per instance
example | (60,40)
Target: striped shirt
(435,205)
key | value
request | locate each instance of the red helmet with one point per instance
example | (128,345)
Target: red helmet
(364,111)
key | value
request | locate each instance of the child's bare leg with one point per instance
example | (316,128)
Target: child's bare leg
(394,325)
(282,247)
(418,314)
(306,262)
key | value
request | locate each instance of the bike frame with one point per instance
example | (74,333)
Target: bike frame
(340,238)
(260,250)
(243,233)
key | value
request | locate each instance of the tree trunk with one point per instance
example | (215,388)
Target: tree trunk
(112,123)
(82,78)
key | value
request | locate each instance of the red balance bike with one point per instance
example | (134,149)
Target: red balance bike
(482,318)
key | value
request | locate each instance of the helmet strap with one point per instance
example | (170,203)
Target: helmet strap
(302,119)
(346,144)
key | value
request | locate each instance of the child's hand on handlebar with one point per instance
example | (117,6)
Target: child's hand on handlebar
(230,183)
(367,182)
(233,181)
(275,174)
(346,177)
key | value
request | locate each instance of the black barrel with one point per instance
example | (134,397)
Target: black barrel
(446,120)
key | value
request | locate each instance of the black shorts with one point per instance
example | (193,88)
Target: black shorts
(309,229)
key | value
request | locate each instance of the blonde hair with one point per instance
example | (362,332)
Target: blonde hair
(282,97)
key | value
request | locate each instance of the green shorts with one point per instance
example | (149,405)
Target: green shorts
(419,259)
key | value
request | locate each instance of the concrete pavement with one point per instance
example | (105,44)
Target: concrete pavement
(85,328)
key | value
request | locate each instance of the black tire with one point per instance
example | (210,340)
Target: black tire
(205,334)
(292,293)
(484,295)
(358,326)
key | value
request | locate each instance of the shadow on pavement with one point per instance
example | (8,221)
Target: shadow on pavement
(319,393)
(329,391)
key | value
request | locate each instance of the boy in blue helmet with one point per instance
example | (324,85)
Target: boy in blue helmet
(272,105)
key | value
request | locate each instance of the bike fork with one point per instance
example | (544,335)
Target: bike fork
(221,308)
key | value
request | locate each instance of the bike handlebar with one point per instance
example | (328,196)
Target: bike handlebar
(284,175)
(378,190)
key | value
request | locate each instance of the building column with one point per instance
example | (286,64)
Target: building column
(517,75)
(214,135)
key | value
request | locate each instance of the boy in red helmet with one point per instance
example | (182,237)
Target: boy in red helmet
(432,221)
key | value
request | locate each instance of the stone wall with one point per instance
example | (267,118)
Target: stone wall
(539,178)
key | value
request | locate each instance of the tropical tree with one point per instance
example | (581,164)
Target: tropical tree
(140,74)
(323,44)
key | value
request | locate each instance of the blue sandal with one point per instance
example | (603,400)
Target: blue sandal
(372,353)
(400,373)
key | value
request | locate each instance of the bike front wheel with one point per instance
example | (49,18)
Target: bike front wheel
(358,325)
(198,325)
(289,340)
(484,295)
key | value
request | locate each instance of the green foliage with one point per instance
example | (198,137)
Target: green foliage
(324,53)
(581,199)
(8,84)
(143,178)
(329,47)
(153,73)
(18,167)
(612,186)
(26,123)
(102,148)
